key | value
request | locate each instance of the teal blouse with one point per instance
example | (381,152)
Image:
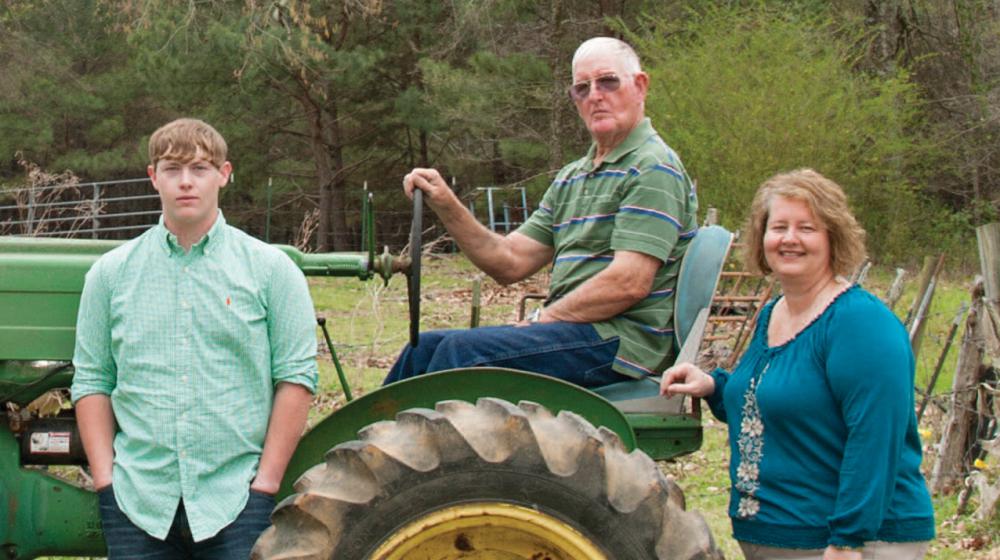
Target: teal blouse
(824,448)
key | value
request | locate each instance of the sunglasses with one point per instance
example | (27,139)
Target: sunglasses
(604,84)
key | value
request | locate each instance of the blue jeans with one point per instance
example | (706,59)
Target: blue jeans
(234,542)
(572,352)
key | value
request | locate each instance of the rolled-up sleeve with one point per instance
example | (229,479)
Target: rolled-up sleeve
(654,215)
(93,362)
(538,226)
(291,326)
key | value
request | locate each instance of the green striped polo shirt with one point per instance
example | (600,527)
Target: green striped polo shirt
(639,199)
(190,347)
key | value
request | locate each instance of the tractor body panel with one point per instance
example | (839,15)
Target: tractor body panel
(41,514)
(40,285)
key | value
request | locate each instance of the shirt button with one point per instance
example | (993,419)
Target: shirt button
(185,305)
(183,454)
(184,378)
(185,269)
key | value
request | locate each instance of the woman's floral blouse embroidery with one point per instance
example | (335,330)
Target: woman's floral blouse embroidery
(751,447)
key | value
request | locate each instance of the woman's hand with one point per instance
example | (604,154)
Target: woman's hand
(840,554)
(686,379)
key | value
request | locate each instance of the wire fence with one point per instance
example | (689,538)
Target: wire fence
(121,209)
(98,210)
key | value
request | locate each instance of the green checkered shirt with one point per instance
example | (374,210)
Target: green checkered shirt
(639,199)
(190,348)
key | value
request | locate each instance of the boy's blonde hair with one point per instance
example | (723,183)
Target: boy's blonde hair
(183,139)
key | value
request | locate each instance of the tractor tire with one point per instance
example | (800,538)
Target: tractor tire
(490,480)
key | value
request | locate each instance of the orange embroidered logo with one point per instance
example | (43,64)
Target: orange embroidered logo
(228,300)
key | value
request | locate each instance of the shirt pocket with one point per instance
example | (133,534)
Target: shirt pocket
(588,230)
(242,321)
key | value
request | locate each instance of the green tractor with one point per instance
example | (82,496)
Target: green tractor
(474,463)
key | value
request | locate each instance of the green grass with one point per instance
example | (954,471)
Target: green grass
(369,326)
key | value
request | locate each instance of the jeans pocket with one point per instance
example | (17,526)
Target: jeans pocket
(260,499)
(604,374)
(112,518)
(106,496)
(256,516)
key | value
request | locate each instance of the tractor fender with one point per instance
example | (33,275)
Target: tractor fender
(465,384)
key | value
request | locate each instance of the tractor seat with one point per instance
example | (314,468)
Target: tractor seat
(699,275)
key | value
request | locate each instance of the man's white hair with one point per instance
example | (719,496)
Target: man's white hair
(621,50)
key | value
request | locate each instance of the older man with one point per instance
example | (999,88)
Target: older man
(613,225)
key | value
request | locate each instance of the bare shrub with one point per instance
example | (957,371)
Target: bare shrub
(50,203)
(306,230)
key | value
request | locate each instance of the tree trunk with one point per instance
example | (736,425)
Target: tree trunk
(496,163)
(324,170)
(607,10)
(880,15)
(337,203)
(555,34)
(425,158)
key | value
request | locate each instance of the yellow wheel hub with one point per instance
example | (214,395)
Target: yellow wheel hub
(488,530)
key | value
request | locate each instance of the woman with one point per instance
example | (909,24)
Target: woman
(825,457)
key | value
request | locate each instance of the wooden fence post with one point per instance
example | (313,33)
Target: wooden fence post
(95,212)
(711,216)
(923,306)
(922,281)
(988,237)
(861,273)
(30,228)
(980,345)
(951,466)
(477,284)
(896,289)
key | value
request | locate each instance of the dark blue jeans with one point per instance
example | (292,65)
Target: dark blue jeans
(572,352)
(234,542)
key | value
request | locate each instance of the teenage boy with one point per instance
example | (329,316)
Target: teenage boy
(195,367)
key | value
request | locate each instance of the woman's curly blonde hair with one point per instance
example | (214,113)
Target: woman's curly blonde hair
(828,204)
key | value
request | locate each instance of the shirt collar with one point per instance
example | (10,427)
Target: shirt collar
(207,244)
(636,138)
